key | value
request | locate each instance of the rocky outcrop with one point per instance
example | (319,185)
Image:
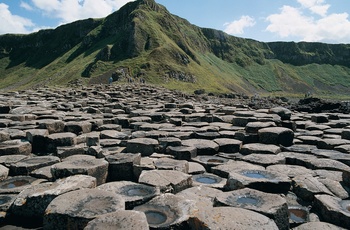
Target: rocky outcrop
(160,159)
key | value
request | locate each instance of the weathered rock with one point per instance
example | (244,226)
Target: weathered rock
(37,137)
(67,151)
(270,205)
(231,218)
(182,152)
(4,172)
(167,211)
(60,139)
(203,196)
(145,146)
(208,179)
(134,194)
(33,201)
(78,127)
(4,136)
(284,113)
(6,200)
(264,159)
(210,161)
(276,136)
(263,180)
(254,127)
(204,147)
(13,147)
(223,170)
(53,126)
(333,210)
(29,164)
(291,170)
(306,187)
(121,219)
(73,210)
(345,134)
(260,149)
(121,166)
(81,164)
(318,226)
(171,164)
(7,160)
(166,180)
(330,143)
(13,185)
(228,145)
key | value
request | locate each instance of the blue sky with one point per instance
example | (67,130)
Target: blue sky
(264,20)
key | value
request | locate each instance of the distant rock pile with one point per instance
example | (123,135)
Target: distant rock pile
(140,157)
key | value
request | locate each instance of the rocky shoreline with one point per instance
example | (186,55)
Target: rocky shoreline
(142,157)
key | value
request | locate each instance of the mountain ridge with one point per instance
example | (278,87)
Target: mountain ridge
(144,38)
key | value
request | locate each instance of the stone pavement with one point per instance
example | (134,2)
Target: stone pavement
(142,157)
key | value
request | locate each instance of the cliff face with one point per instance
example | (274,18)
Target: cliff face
(143,37)
(304,53)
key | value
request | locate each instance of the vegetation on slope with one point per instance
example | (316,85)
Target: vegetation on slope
(144,39)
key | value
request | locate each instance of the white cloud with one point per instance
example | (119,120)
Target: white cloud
(315,6)
(238,26)
(293,22)
(72,10)
(11,23)
(26,6)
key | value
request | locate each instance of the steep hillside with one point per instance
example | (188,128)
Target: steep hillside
(144,40)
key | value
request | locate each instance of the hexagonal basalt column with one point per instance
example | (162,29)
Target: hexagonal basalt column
(276,135)
(145,146)
(166,180)
(231,218)
(204,147)
(33,201)
(81,164)
(270,205)
(121,166)
(13,147)
(266,181)
(17,183)
(73,210)
(121,219)
(60,139)
(133,193)
(27,165)
(333,210)
(167,211)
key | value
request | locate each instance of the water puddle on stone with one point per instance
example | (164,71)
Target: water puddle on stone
(298,215)
(255,174)
(14,184)
(247,200)
(155,217)
(206,180)
(138,192)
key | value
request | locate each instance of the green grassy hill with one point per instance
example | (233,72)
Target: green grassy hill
(144,40)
